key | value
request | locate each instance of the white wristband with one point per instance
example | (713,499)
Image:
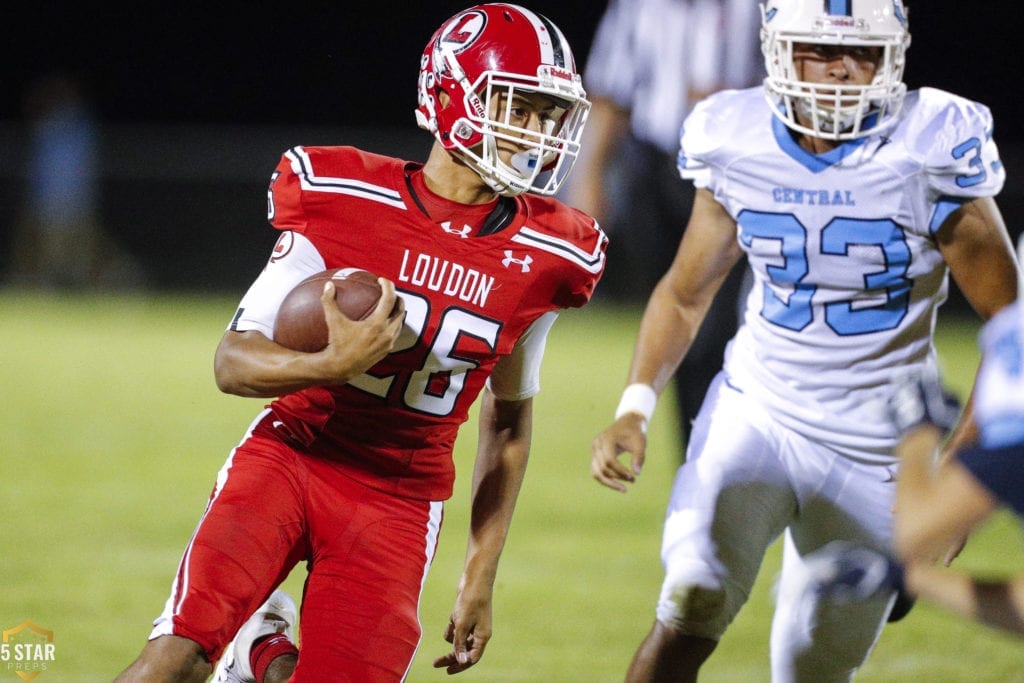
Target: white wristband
(637,398)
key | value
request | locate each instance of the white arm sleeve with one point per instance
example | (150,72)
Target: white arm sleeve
(294,259)
(517,375)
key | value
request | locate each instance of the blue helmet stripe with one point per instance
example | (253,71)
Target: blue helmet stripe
(844,7)
(898,11)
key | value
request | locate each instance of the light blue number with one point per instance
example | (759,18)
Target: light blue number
(836,239)
(972,147)
(796,312)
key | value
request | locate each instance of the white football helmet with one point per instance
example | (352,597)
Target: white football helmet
(835,112)
(494,49)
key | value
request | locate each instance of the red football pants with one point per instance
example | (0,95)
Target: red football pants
(367,552)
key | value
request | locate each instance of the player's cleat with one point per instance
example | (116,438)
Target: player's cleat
(276,615)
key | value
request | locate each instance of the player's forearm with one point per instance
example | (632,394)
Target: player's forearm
(921,528)
(502,456)
(998,604)
(964,435)
(488,533)
(682,297)
(250,365)
(936,506)
(666,332)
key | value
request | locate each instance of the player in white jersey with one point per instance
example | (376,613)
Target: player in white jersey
(853,200)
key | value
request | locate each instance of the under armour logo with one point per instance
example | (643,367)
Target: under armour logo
(462,232)
(524,262)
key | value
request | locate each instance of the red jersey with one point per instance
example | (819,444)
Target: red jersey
(468,300)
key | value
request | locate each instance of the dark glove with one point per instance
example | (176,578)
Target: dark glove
(844,572)
(905,602)
(922,399)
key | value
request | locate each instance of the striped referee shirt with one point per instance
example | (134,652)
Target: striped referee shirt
(649,55)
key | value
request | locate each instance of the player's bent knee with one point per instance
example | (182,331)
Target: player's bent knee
(695,610)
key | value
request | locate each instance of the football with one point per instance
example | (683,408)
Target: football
(300,321)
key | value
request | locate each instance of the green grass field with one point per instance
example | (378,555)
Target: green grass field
(112,433)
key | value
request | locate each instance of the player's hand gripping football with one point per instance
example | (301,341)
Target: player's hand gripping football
(469,628)
(626,435)
(354,346)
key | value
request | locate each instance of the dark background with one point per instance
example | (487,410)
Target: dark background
(351,62)
(356,61)
(197,103)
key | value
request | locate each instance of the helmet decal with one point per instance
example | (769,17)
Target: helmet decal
(463,31)
(897,11)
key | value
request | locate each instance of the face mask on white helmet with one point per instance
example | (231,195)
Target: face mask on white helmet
(831,111)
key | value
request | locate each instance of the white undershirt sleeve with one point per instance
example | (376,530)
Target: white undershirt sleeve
(517,375)
(294,259)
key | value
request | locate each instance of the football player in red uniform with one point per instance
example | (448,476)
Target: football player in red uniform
(348,467)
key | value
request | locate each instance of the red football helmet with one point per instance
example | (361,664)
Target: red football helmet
(480,59)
